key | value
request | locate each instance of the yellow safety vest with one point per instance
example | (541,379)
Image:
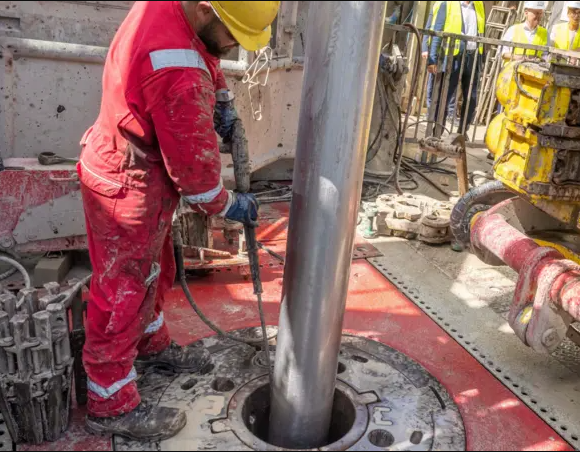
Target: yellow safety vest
(436,7)
(540,39)
(562,38)
(454,23)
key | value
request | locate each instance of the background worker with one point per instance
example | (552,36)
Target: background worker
(153,143)
(462,18)
(528,32)
(565,36)
(425,53)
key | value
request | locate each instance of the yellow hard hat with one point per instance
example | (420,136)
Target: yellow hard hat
(248,22)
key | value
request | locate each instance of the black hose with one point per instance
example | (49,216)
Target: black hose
(371,150)
(519,83)
(403,127)
(485,195)
(430,167)
(412,93)
(252,250)
(183,282)
(427,178)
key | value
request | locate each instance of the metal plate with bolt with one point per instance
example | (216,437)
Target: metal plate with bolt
(382,399)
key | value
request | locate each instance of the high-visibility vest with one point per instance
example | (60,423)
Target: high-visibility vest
(562,38)
(454,22)
(436,7)
(540,39)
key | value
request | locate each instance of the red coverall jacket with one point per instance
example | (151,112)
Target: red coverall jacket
(153,141)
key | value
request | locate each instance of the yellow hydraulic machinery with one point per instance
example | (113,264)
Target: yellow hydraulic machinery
(529,216)
(536,140)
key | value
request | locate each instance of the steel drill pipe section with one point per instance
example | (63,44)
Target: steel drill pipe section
(341,66)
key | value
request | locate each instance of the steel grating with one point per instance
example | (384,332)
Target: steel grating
(493,285)
(541,382)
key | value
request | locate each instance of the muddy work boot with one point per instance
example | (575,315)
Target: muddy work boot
(188,359)
(145,423)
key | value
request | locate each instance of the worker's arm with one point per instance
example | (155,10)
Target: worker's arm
(425,44)
(552,37)
(225,113)
(507,52)
(181,105)
(220,82)
(551,43)
(439,26)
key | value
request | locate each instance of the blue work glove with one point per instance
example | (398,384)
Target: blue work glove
(224,116)
(383,63)
(244,209)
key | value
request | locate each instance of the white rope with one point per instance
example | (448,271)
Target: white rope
(251,78)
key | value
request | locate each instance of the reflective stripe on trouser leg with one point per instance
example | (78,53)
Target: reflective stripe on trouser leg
(157,341)
(107,393)
(155,326)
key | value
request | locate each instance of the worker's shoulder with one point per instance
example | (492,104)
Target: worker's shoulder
(510,31)
(160,44)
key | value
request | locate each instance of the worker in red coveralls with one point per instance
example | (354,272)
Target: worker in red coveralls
(164,98)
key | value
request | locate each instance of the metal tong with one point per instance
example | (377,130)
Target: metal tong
(50,158)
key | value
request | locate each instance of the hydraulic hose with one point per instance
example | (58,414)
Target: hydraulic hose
(178,244)
(17,267)
(8,273)
(414,84)
(475,200)
(524,91)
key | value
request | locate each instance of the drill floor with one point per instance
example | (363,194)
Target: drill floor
(496,415)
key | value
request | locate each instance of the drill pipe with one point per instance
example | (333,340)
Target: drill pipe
(337,98)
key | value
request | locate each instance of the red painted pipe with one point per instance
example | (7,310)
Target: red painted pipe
(566,293)
(493,233)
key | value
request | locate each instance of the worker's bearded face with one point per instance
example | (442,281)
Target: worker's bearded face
(574,16)
(533,17)
(217,38)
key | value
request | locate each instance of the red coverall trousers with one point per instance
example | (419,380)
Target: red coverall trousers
(153,142)
(125,313)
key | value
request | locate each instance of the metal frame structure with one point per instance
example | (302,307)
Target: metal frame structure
(441,85)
